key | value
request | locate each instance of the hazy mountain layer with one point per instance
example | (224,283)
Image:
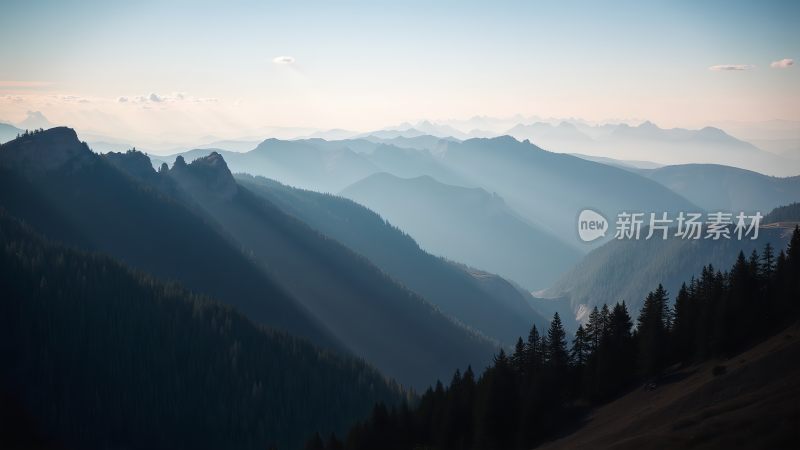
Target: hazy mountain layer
(480,300)
(375,317)
(628,269)
(468,225)
(722,188)
(649,142)
(63,190)
(551,189)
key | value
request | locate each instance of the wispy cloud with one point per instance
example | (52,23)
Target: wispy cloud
(71,98)
(283,60)
(731,67)
(782,64)
(154,97)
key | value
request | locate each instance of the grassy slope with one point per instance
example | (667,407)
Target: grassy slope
(755,404)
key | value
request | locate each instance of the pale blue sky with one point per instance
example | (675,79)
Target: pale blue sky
(361,65)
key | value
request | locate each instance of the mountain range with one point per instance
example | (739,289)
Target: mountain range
(480,300)
(194,224)
(722,188)
(468,225)
(647,141)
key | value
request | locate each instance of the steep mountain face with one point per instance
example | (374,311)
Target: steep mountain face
(134,163)
(99,356)
(722,188)
(478,299)
(375,317)
(60,188)
(551,189)
(629,269)
(468,225)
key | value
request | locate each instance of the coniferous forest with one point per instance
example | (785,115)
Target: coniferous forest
(96,355)
(543,387)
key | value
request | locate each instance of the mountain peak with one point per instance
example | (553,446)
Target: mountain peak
(46,150)
(210,171)
(133,162)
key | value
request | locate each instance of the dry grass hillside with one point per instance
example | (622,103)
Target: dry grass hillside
(755,403)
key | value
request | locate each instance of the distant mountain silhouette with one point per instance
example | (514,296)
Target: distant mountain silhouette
(480,300)
(649,142)
(8,132)
(364,308)
(97,355)
(723,188)
(427,142)
(562,137)
(468,225)
(60,188)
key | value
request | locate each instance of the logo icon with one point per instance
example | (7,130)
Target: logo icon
(591,225)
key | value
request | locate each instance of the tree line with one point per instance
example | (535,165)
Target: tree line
(549,381)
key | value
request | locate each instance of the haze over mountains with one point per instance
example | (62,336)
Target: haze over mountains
(722,188)
(481,300)
(628,269)
(516,174)
(424,261)
(468,225)
(768,147)
(306,280)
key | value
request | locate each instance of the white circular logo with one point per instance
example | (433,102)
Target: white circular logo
(591,225)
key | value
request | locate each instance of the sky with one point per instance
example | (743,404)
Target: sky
(159,70)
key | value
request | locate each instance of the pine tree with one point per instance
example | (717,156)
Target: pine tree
(682,326)
(519,356)
(594,329)
(557,341)
(767,262)
(534,357)
(621,323)
(652,331)
(605,322)
(580,348)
